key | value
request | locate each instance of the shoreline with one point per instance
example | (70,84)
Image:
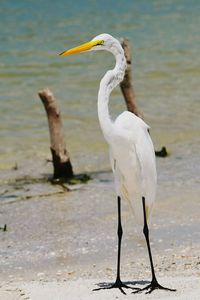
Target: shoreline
(65,242)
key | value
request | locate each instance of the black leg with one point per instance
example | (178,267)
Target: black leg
(154,283)
(118,283)
(119,233)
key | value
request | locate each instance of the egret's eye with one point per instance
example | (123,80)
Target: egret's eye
(99,43)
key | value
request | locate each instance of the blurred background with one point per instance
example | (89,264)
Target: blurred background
(164,37)
(54,229)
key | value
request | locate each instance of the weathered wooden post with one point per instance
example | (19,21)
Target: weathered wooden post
(128,91)
(61,161)
(126,85)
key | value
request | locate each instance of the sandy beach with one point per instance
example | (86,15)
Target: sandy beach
(61,245)
(188,288)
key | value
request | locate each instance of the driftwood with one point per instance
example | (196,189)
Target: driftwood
(61,161)
(129,94)
(126,85)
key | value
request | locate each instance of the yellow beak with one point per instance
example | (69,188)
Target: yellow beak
(82,48)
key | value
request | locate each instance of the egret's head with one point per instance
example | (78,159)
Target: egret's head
(100,42)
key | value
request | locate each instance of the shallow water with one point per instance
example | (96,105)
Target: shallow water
(166,66)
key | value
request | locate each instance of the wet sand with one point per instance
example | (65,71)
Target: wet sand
(63,243)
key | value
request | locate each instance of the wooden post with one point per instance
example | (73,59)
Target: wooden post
(126,84)
(128,91)
(60,156)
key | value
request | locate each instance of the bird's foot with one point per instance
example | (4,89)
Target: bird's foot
(154,285)
(117,285)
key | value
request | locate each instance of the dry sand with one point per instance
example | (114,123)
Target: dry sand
(59,245)
(187,288)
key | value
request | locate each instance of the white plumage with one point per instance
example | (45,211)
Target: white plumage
(132,153)
(133,163)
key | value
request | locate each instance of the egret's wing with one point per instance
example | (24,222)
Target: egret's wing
(135,161)
(146,159)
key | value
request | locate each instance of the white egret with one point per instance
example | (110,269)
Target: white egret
(132,153)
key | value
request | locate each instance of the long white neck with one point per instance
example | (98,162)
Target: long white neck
(110,80)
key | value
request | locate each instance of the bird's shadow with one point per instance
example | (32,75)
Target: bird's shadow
(107,285)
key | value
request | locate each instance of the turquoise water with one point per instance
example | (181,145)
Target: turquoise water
(164,37)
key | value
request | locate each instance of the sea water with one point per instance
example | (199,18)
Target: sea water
(164,38)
